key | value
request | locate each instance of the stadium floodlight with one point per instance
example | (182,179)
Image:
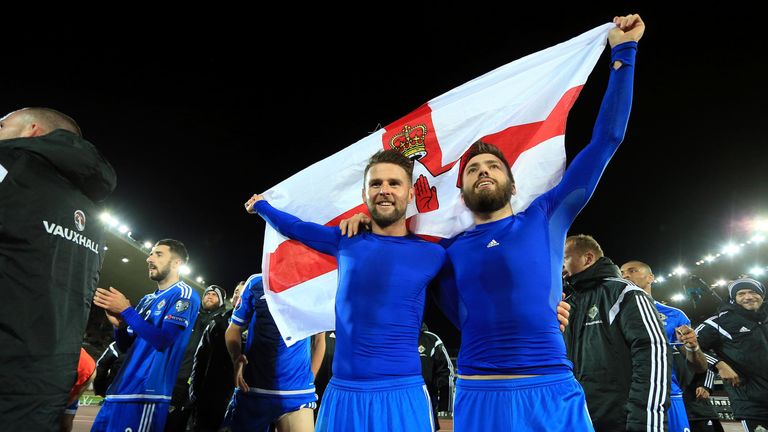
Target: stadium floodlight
(720,282)
(148,244)
(185,270)
(125,260)
(759,224)
(661,279)
(679,271)
(678,297)
(123,229)
(731,249)
(757,271)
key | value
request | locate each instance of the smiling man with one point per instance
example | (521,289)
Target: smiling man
(507,273)
(383,276)
(738,336)
(155,335)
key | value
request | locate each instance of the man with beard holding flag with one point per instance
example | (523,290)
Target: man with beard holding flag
(507,272)
(504,275)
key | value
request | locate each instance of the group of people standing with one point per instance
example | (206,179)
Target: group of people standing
(521,366)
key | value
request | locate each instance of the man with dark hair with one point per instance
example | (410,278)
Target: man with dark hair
(616,342)
(504,274)
(211,307)
(737,338)
(51,251)
(685,357)
(154,336)
(375,360)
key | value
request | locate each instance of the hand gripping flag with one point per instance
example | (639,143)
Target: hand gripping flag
(520,107)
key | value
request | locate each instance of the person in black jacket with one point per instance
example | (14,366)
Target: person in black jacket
(211,306)
(51,251)
(738,339)
(616,343)
(437,369)
(211,383)
(107,367)
(702,416)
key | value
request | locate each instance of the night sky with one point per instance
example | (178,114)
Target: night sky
(197,113)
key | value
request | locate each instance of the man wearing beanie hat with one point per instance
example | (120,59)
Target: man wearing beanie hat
(211,306)
(738,339)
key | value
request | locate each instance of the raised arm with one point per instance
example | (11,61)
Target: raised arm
(318,237)
(581,177)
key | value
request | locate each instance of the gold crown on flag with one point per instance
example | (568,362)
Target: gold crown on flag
(411,142)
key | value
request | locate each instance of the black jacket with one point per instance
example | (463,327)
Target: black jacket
(698,409)
(618,349)
(740,338)
(107,367)
(437,369)
(211,383)
(51,251)
(180,395)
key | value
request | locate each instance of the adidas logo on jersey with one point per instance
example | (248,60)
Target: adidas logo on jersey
(743,330)
(492,243)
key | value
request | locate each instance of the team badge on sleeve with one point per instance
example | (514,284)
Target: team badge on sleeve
(181,305)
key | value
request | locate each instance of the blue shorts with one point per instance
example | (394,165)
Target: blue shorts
(678,419)
(391,405)
(541,403)
(257,409)
(135,416)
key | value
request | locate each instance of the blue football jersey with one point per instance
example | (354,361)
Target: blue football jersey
(672,318)
(272,366)
(148,374)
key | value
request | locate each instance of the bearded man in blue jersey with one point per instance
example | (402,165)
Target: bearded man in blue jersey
(155,335)
(377,383)
(505,274)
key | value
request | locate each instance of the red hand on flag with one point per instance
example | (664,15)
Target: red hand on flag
(426,197)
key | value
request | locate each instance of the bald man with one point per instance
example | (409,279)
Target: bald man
(678,329)
(51,251)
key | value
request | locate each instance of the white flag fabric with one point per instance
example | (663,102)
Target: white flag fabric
(520,107)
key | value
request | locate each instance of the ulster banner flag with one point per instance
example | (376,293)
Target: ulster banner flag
(520,107)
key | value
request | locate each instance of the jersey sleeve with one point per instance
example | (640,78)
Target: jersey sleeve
(708,336)
(567,199)
(180,310)
(321,238)
(243,313)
